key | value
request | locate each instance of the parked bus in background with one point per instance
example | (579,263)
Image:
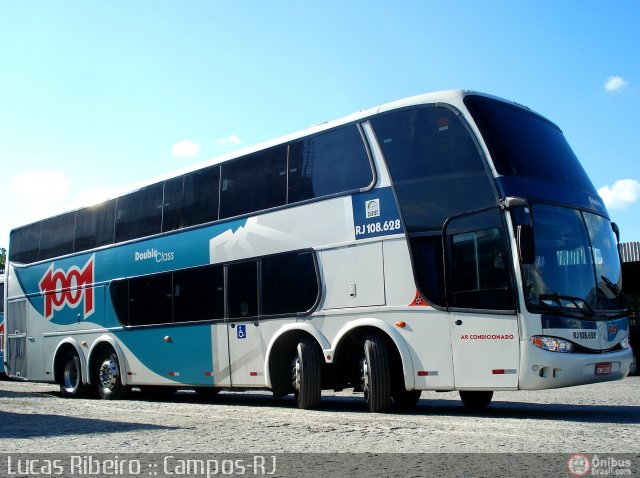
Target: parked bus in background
(449,241)
(2,297)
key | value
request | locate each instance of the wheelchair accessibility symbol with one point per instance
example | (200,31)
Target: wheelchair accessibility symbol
(242,331)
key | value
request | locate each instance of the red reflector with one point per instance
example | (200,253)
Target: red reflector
(253,374)
(172,374)
(208,374)
(129,373)
(498,371)
(423,373)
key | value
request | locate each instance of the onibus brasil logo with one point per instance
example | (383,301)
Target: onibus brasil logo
(68,288)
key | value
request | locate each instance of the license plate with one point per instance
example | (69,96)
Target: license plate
(603,368)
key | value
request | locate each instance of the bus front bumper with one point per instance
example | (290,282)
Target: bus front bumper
(541,369)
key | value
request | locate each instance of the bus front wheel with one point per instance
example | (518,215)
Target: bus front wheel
(375,374)
(307,374)
(108,376)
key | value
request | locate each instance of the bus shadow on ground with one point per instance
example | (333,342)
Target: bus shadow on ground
(620,414)
(428,405)
(34,425)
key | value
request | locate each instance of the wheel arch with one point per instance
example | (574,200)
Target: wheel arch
(354,332)
(62,350)
(100,344)
(286,339)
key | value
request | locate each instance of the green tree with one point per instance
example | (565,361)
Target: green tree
(3,259)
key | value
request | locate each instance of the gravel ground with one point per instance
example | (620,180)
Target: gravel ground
(602,418)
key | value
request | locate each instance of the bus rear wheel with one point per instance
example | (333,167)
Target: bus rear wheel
(71,385)
(375,374)
(476,399)
(108,376)
(307,374)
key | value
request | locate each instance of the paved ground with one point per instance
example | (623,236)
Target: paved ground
(603,418)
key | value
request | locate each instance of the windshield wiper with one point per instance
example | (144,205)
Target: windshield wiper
(557,298)
(617,291)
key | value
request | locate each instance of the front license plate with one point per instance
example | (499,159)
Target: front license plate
(603,368)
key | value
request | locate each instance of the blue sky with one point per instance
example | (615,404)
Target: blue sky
(97,96)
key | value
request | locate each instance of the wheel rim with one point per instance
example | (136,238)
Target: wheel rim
(364,377)
(297,375)
(109,373)
(71,375)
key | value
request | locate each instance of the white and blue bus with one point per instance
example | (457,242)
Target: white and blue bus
(449,241)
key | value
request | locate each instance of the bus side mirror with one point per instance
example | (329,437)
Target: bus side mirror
(526,244)
(616,231)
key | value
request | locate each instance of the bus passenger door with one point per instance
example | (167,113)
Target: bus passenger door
(246,348)
(481,298)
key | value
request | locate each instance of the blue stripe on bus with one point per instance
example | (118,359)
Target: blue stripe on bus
(186,356)
(160,254)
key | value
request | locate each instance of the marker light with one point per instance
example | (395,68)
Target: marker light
(552,344)
(401,323)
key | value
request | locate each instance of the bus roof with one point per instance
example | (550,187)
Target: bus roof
(454,97)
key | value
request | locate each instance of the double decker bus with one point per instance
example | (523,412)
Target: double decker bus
(448,241)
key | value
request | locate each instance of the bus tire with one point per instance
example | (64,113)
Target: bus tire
(476,399)
(406,399)
(71,385)
(108,376)
(307,374)
(375,374)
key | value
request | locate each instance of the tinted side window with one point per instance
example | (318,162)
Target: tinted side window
(119,290)
(172,204)
(328,163)
(94,226)
(139,214)
(201,195)
(198,294)
(436,168)
(24,244)
(56,236)
(150,300)
(479,268)
(428,263)
(289,283)
(242,290)
(254,183)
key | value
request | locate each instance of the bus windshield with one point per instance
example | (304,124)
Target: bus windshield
(577,269)
(523,143)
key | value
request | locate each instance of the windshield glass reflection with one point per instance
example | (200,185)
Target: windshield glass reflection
(577,267)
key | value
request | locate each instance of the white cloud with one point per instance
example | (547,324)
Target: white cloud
(621,194)
(185,149)
(233,139)
(615,83)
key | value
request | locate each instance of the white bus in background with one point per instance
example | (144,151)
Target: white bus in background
(449,241)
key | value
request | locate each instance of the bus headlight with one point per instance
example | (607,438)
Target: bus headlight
(624,343)
(552,344)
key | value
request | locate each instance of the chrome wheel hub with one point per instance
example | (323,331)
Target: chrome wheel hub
(108,374)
